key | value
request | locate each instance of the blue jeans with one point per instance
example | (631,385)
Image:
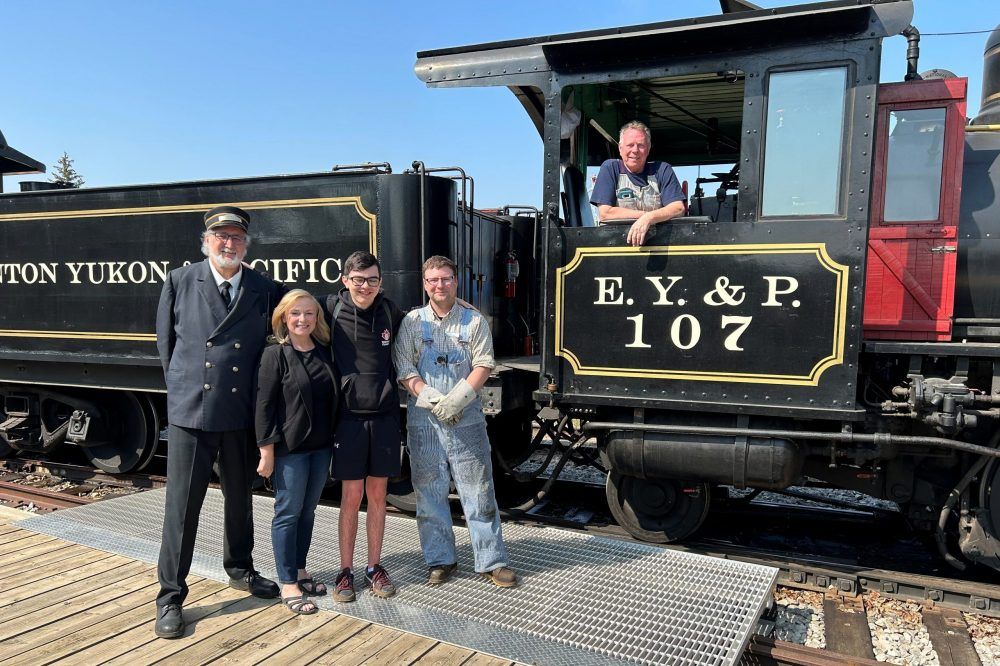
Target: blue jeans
(298,483)
(464,448)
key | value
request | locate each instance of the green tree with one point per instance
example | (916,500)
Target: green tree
(64,174)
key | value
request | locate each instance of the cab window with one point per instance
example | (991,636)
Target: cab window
(913,165)
(804,142)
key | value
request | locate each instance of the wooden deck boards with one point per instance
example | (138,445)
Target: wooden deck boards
(62,603)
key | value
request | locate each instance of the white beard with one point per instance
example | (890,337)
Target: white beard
(220,260)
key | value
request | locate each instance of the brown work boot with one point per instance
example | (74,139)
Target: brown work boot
(440,573)
(502,577)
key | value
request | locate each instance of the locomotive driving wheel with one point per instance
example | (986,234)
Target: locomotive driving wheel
(5,448)
(657,510)
(133,434)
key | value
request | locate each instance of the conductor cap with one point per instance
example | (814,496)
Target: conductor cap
(222,216)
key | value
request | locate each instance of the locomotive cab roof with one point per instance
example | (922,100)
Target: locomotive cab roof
(684,78)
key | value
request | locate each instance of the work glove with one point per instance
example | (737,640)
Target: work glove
(449,409)
(429,396)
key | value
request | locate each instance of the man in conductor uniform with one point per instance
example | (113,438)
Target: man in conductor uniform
(211,326)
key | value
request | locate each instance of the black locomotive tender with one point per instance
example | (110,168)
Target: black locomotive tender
(829,315)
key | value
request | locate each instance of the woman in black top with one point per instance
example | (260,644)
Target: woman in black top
(297,398)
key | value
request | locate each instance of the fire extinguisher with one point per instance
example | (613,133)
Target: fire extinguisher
(512,269)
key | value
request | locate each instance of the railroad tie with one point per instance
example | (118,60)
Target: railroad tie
(847,631)
(950,637)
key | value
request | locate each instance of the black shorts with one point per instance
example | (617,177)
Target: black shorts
(367,446)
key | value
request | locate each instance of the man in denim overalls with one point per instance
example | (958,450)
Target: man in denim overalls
(444,355)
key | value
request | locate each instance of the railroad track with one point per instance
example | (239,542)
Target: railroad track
(81,473)
(62,485)
(20,496)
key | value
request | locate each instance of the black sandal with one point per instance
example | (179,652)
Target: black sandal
(310,586)
(295,605)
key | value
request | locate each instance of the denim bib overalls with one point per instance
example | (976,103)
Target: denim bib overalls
(637,197)
(464,448)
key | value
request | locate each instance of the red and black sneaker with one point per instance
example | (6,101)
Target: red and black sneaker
(382,586)
(343,590)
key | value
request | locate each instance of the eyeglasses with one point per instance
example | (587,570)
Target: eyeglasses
(446,281)
(358,281)
(238,239)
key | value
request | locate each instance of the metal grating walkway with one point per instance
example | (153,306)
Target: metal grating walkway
(582,599)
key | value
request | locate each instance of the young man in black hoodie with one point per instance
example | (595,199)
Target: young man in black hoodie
(363,325)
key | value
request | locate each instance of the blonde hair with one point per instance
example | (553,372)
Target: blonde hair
(321,332)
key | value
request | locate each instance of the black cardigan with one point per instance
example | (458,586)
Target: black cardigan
(284,397)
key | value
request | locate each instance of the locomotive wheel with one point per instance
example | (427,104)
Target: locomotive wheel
(153,424)
(133,432)
(400,492)
(657,510)
(5,448)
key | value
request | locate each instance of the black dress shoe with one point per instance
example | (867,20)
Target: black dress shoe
(169,621)
(256,585)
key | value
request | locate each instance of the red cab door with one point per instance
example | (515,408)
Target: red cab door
(917,186)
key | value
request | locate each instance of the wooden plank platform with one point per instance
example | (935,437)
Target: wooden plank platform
(62,603)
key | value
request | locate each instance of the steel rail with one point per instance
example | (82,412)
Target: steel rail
(770,651)
(71,472)
(43,499)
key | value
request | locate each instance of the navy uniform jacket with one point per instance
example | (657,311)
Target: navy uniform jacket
(210,356)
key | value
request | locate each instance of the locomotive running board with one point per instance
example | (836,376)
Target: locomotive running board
(582,599)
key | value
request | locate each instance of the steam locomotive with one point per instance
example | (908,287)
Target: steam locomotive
(829,315)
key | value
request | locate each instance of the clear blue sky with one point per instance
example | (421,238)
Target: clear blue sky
(140,92)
